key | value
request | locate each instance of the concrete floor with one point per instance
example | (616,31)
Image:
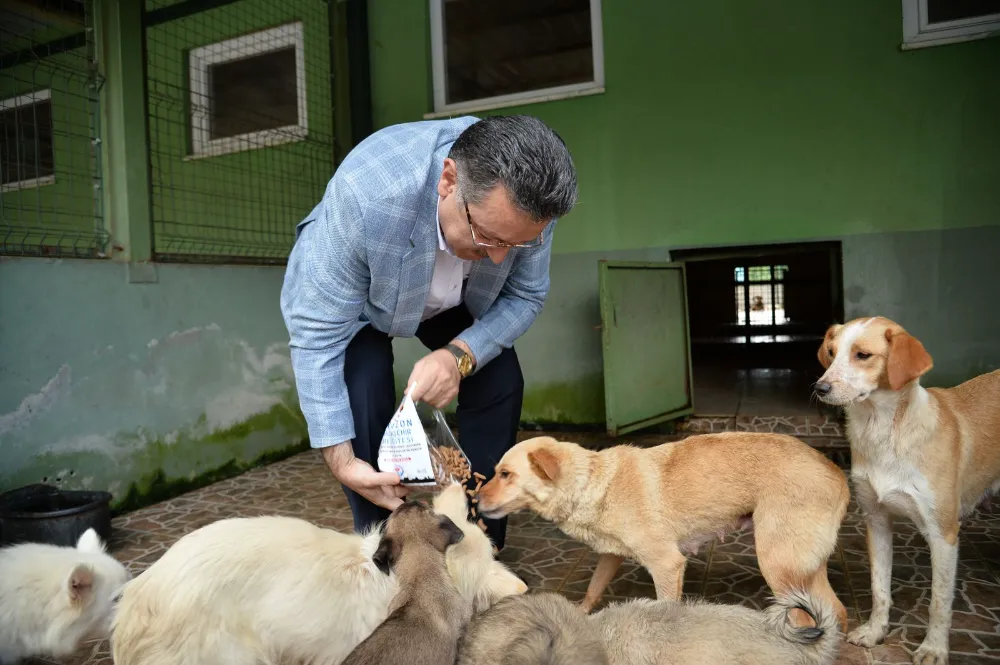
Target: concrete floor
(301,486)
(754,392)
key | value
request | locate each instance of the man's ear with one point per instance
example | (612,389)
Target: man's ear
(384,557)
(908,359)
(823,355)
(544,463)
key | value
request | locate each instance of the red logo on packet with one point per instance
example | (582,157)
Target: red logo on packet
(399,470)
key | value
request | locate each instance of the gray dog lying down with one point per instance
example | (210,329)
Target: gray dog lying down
(547,629)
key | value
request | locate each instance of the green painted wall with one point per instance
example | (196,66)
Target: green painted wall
(141,389)
(732,123)
(743,123)
(65,213)
(244,203)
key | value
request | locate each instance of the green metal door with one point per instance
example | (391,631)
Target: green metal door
(647,350)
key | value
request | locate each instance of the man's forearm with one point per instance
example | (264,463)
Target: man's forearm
(338,456)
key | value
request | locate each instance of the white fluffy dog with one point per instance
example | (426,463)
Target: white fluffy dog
(270,590)
(52,598)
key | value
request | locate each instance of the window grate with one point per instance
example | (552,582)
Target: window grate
(241,126)
(50,158)
(760,295)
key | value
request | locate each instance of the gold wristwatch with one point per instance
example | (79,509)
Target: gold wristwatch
(465,365)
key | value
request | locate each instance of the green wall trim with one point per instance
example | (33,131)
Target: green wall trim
(124,147)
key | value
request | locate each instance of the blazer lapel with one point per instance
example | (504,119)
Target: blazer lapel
(485,280)
(416,270)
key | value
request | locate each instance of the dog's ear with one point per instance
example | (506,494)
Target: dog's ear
(544,463)
(90,542)
(384,557)
(451,501)
(825,359)
(453,535)
(908,359)
(80,584)
(500,583)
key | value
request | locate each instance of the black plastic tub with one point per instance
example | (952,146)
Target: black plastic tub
(47,514)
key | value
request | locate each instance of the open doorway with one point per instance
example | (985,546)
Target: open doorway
(757,315)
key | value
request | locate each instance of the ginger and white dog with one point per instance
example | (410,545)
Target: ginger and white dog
(269,590)
(53,599)
(930,455)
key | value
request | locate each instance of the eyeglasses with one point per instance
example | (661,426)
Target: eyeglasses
(500,244)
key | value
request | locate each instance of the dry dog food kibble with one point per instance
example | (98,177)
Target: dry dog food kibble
(449,463)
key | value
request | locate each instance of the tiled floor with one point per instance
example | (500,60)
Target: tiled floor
(301,486)
(720,391)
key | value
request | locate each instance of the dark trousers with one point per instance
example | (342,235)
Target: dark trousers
(489,405)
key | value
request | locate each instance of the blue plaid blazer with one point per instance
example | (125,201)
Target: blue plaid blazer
(365,255)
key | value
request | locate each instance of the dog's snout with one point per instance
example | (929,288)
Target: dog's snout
(822,388)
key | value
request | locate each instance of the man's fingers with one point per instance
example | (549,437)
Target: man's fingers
(392,504)
(377,479)
(384,500)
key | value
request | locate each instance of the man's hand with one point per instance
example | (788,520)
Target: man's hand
(382,489)
(437,378)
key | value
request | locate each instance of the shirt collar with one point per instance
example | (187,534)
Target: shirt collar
(442,245)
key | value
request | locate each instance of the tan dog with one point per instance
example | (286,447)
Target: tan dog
(655,505)
(927,454)
(428,614)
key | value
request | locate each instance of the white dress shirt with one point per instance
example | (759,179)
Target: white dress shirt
(446,281)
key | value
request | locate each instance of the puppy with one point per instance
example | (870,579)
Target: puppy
(428,614)
(53,599)
(930,455)
(657,504)
(536,629)
(665,632)
(279,589)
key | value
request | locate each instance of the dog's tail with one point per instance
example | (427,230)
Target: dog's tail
(824,637)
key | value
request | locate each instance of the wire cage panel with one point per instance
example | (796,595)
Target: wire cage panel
(241,126)
(50,157)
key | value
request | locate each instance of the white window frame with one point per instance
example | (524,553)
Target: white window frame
(918,32)
(17,102)
(442,108)
(230,50)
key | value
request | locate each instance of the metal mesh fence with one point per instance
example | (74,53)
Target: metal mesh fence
(50,160)
(241,125)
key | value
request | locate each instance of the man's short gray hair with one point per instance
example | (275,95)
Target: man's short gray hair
(524,155)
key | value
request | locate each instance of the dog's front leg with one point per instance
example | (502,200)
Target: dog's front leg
(667,570)
(879,527)
(944,560)
(607,566)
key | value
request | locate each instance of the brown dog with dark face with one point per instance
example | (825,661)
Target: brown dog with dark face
(428,614)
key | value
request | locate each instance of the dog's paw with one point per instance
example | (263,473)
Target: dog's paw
(867,635)
(931,654)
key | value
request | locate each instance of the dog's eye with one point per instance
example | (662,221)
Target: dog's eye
(830,351)
(861,355)
(505,474)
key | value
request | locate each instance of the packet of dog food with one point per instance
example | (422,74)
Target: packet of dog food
(421,448)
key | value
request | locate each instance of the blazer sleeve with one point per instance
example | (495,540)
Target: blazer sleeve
(517,305)
(322,298)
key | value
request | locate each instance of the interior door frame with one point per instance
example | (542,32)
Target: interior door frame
(607,314)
